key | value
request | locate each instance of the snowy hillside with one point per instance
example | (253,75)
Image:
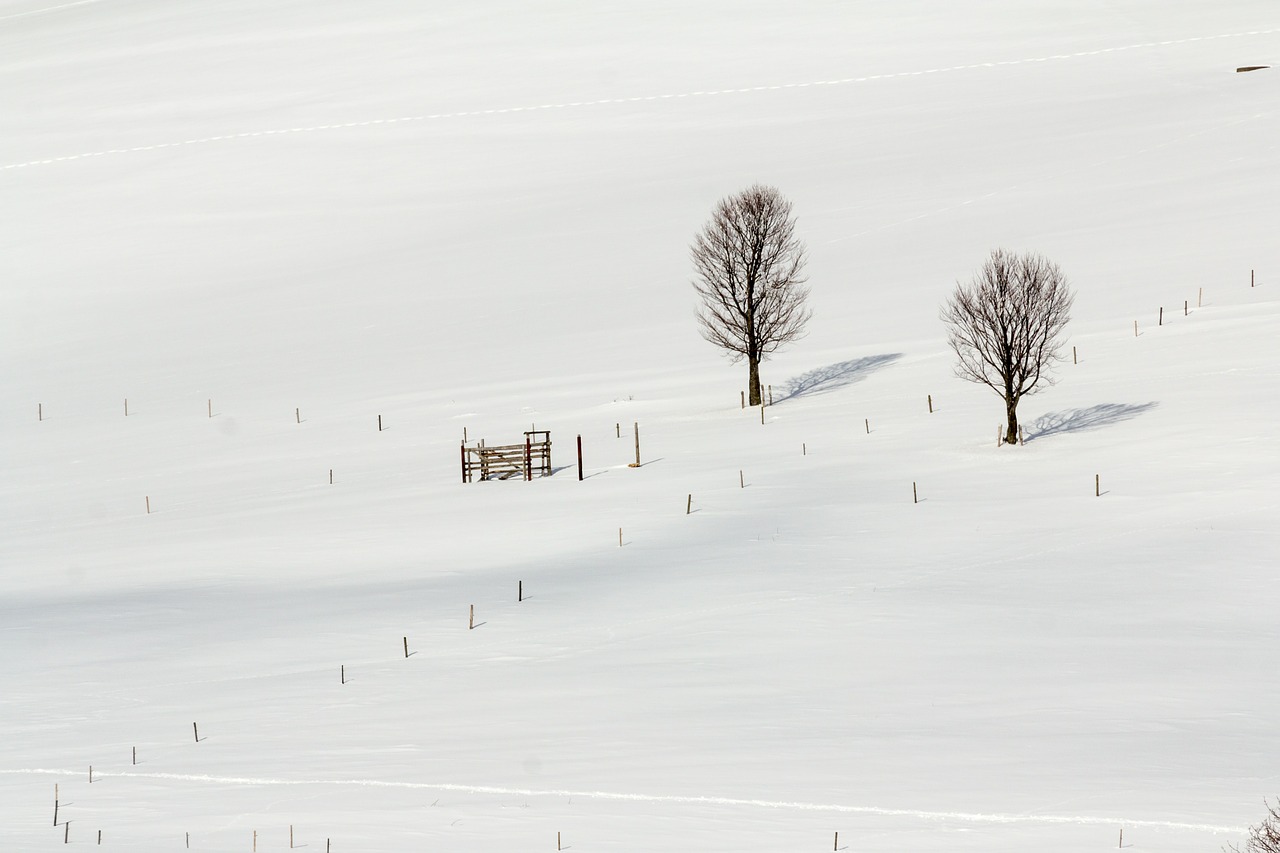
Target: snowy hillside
(304,240)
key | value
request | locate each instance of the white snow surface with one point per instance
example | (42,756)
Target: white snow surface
(303,217)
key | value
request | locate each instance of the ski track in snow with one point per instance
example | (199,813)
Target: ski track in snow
(632,100)
(968,817)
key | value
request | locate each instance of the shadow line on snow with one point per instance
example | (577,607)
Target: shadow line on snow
(1080,420)
(833,377)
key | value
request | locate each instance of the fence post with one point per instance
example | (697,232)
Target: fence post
(579,458)
(528,459)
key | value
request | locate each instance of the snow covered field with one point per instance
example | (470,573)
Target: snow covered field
(302,217)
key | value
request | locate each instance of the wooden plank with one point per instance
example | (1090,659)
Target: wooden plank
(504,461)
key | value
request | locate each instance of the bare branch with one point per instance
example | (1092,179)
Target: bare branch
(1005,326)
(1264,837)
(749,268)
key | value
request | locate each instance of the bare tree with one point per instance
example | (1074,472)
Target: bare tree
(1265,836)
(1005,326)
(749,265)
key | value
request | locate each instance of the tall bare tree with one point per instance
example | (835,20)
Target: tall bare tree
(749,266)
(1006,326)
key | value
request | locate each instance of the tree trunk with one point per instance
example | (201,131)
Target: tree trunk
(1011,409)
(753,383)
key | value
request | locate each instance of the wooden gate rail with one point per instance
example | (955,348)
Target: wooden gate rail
(504,461)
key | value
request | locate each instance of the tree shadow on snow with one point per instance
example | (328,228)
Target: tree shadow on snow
(833,377)
(1079,420)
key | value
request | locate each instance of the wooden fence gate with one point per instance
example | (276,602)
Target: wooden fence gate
(504,461)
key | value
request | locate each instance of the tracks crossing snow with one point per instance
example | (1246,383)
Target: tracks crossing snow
(783,805)
(629,100)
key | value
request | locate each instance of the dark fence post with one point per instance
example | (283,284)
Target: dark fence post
(579,457)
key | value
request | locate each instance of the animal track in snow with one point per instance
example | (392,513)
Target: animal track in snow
(629,100)
(967,817)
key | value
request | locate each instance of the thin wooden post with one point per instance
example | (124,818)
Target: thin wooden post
(579,458)
(471,620)
(90,774)
(742,484)
(126,407)
(148,497)
(619,537)
(1185,307)
(528,459)
(1074,360)
(557,841)
(617,428)
(135,756)
(463,449)
(742,399)
(1200,298)
(931,404)
(1097,486)
(55,810)
(1135,328)
(290,836)
(255,841)
(637,444)
(210,402)
(762,415)
(1122,837)
(406,646)
(836,846)
(688,507)
(999,432)
(330,476)
(342,673)
(66,833)
(804,449)
(195,730)
(914,497)
(867,423)
(189,841)
(1161,322)
(770,395)
(1251,278)
(40,411)
(520,591)
(99,837)
(379,423)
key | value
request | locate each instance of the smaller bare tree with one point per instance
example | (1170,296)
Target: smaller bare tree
(1263,837)
(749,266)
(1005,326)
